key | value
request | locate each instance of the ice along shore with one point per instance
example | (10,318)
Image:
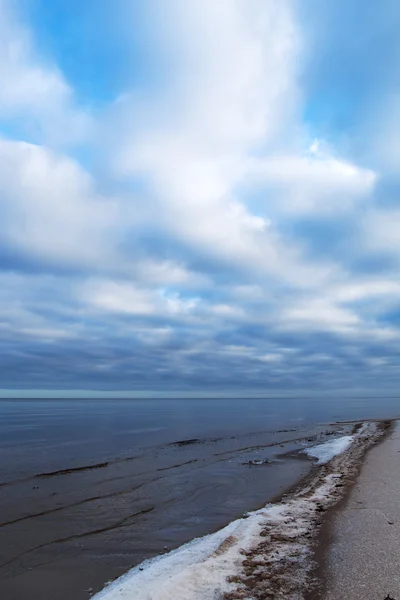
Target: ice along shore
(268,553)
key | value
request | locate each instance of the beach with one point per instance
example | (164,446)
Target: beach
(362,558)
(231,511)
(267,554)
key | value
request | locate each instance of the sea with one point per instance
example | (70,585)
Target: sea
(91,487)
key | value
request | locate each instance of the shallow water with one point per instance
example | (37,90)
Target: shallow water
(89,488)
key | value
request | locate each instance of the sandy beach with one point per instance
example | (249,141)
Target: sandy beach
(363,557)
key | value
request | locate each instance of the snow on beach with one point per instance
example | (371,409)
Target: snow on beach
(195,570)
(266,554)
(325,452)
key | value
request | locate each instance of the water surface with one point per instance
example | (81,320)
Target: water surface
(90,487)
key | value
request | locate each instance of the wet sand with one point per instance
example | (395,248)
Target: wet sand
(359,546)
(65,533)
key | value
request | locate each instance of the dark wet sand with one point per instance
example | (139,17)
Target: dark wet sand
(63,534)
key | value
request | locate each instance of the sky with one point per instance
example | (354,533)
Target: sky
(199,196)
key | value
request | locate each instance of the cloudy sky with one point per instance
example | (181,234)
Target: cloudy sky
(199,195)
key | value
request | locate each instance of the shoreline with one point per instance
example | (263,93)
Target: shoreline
(61,569)
(362,559)
(325,539)
(268,554)
(75,530)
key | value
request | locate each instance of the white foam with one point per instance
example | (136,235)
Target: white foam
(325,452)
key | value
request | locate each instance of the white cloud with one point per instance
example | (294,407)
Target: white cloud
(50,208)
(319,314)
(312,184)
(361,290)
(127,298)
(230,93)
(271,358)
(47,334)
(33,91)
(228,311)
(118,298)
(228,119)
(167,272)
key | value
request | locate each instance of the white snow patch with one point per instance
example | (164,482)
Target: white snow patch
(200,569)
(325,452)
(197,570)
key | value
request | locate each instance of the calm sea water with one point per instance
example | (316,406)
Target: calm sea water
(90,487)
(39,435)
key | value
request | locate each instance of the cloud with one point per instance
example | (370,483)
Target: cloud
(381,231)
(227,222)
(122,297)
(50,208)
(313,185)
(192,143)
(35,98)
(320,314)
